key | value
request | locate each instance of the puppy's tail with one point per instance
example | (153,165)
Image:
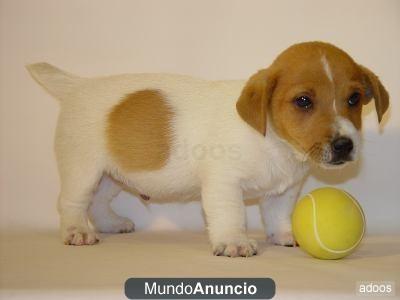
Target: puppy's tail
(57,82)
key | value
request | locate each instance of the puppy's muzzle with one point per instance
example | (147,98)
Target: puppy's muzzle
(341,148)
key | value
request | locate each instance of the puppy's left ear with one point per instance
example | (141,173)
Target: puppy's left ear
(252,105)
(375,89)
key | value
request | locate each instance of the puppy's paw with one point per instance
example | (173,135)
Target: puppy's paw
(79,236)
(115,224)
(245,248)
(283,239)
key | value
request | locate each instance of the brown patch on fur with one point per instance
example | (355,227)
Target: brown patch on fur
(138,132)
(253,102)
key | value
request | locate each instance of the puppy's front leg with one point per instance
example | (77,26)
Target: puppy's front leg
(226,219)
(276,212)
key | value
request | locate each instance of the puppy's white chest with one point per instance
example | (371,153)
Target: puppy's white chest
(278,170)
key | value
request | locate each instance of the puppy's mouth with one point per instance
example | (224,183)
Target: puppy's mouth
(335,154)
(336,163)
(338,152)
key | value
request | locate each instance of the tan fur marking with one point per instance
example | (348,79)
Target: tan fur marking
(377,91)
(138,132)
(253,101)
(300,73)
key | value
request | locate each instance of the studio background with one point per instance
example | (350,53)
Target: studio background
(207,39)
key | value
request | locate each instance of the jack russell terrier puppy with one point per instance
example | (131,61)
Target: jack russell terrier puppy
(178,137)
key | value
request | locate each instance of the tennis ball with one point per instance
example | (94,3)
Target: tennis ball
(328,223)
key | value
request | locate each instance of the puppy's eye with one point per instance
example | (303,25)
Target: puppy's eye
(303,102)
(354,99)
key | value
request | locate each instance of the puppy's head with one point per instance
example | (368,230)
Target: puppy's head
(313,95)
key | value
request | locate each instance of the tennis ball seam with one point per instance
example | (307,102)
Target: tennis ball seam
(320,243)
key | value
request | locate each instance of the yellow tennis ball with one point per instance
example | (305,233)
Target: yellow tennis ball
(328,223)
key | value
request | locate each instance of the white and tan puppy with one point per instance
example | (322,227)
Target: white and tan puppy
(178,137)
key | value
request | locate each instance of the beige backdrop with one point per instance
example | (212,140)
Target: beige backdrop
(210,39)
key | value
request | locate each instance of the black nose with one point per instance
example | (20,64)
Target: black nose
(342,146)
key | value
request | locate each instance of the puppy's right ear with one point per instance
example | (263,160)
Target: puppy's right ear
(253,102)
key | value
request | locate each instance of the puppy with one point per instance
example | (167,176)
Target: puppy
(178,137)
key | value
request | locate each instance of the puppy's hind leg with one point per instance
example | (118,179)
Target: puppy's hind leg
(78,181)
(101,214)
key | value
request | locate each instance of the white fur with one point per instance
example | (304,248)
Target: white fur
(100,212)
(276,211)
(215,155)
(328,72)
(327,68)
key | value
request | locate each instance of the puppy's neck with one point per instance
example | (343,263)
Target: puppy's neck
(289,150)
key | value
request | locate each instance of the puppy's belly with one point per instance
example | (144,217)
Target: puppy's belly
(165,185)
(183,184)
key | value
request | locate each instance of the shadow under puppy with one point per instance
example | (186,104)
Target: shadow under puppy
(178,137)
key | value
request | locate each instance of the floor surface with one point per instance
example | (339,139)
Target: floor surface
(36,265)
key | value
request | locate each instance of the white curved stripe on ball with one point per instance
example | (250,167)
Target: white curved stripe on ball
(321,244)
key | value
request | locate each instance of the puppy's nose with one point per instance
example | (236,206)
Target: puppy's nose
(342,146)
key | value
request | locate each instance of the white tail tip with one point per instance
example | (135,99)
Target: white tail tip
(56,81)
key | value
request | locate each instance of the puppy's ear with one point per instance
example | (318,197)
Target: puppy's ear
(375,89)
(253,102)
